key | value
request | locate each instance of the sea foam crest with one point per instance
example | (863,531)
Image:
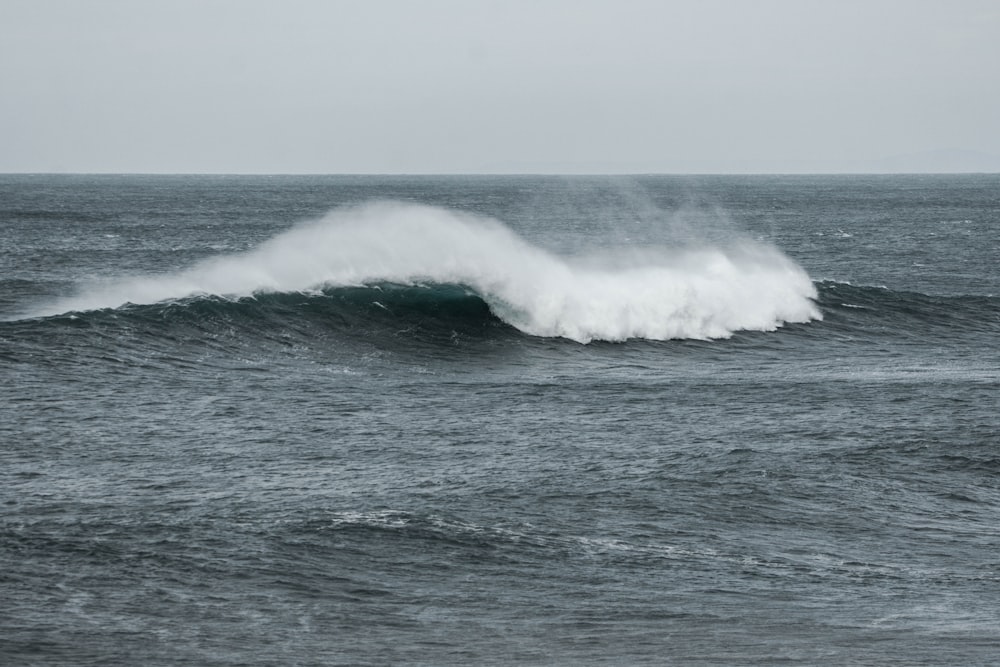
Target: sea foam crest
(706,292)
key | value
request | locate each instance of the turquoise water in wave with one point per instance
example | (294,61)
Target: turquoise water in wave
(499,420)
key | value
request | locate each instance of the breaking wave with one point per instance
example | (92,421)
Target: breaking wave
(658,293)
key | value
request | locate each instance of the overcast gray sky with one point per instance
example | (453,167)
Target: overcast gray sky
(453,86)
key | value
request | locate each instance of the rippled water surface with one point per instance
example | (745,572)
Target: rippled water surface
(499,420)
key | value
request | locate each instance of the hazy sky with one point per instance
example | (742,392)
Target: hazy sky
(443,86)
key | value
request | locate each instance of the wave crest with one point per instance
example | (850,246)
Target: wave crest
(706,292)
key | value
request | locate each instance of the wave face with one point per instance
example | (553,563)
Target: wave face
(693,292)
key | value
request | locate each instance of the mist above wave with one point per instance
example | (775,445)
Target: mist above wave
(657,293)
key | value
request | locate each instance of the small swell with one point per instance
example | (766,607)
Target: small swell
(906,313)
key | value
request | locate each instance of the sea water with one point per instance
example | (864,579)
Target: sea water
(499,420)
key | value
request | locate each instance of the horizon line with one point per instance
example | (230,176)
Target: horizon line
(498,173)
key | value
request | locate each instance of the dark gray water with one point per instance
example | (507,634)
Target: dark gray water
(535,420)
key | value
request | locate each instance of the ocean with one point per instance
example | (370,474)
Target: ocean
(493,420)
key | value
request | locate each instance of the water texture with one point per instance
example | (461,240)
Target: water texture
(499,420)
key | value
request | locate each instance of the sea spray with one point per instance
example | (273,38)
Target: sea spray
(655,293)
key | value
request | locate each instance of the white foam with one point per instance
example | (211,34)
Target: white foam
(707,292)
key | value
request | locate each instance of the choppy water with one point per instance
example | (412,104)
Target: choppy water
(495,420)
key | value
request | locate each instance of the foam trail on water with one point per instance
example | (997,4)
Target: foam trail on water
(694,293)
